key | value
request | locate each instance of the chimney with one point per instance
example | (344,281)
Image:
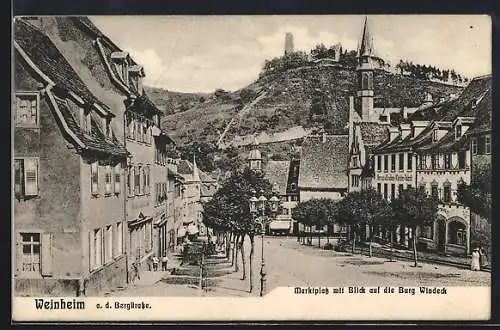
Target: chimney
(393,133)
(405,130)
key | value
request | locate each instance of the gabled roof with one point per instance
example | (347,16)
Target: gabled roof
(366,47)
(96,140)
(45,55)
(185,168)
(276,171)
(323,165)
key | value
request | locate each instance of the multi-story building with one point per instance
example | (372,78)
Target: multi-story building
(68,175)
(439,152)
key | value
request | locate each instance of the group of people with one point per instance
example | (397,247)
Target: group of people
(479,259)
(155,262)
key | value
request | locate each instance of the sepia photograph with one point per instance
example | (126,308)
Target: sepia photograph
(284,158)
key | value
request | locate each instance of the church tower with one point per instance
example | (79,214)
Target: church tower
(365,75)
(288,43)
(255,157)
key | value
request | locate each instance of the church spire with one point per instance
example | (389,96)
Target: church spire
(366,46)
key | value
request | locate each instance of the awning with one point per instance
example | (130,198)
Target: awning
(181,232)
(279,225)
(187,221)
(192,229)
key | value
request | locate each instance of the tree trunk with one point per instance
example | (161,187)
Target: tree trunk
(392,245)
(353,242)
(252,248)
(243,260)
(235,253)
(370,232)
(232,245)
(319,239)
(414,240)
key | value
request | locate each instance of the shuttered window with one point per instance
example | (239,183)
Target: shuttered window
(107,180)
(27,107)
(137,180)
(94,174)
(46,254)
(108,244)
(119,239)
(130,179)
(26,177)
(30,253)
(117,179)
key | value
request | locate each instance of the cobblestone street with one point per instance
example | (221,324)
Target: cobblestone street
(292,264)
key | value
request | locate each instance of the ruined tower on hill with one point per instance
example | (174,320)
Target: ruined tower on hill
(288,43)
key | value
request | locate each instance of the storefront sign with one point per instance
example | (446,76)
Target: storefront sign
(395,177)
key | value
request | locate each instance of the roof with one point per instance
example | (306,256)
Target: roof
(254,154)
(366,47)
(483,116)
(276,171)
(185,168)
(323,165)
(45,55)
(96,140)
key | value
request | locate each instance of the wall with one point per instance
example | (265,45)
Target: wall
(56,209)
(306,195)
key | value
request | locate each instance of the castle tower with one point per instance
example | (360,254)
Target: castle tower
(288,43)
(365,74)
(255,158)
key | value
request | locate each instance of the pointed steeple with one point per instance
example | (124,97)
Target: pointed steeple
(196,175)
(366,46)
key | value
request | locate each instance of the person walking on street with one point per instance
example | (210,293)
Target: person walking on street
(136,268)
(164,262)
(156,261)
(475,260)
(483,258)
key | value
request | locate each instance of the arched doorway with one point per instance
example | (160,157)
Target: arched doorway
(441,231)
(457,232)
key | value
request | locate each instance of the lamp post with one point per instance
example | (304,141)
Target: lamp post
(259,205)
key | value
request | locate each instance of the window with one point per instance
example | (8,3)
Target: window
(119,239)
(379,163)
(96,250)
(355,161)
(94,174)
(108,244)
(107,180)
(30,253)
(379,188)
(137,180)
(85,120)
(457,233)
(428,231)
(386,163)
(458,132)
(422,187)
(409,163)
(355,180)
(293,186)
(435,162)
(117,179)
(401,162)
(447,161)
(385,190)
(294,198)
(146,181)
(107,127)
(130,184)
(400,189)
(393,162)
(284,211)
(487,144)
(382,119)
(26,177)
(27,109)
(435,191)
(474,146)
(446,193)
(434,135)
(461,160)
(423,162)
(393,191)
(408,186)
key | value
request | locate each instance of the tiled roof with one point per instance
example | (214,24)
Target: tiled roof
(208,189)
(96,140)
(276,171)
(483,116)
(323,165)
(45,55)
(185,167)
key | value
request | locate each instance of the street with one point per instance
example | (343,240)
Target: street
(289,263)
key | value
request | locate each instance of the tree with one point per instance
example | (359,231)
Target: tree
(414,208)
(229,210)
(204,153)
(477,195)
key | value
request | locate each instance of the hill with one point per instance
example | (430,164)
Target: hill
(307,96)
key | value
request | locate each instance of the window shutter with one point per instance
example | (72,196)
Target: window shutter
(94,178)
(18,177)
(30,176)
(108,179)
(91,250)
(117,179)
(18,260)
(46,254)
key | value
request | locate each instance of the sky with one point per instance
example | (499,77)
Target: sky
(203,53)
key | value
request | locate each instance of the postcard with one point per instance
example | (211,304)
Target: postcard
(251,168)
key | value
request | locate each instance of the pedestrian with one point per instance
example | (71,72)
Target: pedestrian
(136,267)
(156,261)
(483,258)
(475,260)
(164,262)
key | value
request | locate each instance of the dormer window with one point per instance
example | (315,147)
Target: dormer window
(106,124)
(434,135)
(121,65)
(458,131)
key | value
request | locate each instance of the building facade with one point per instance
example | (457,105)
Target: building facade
(68,176)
